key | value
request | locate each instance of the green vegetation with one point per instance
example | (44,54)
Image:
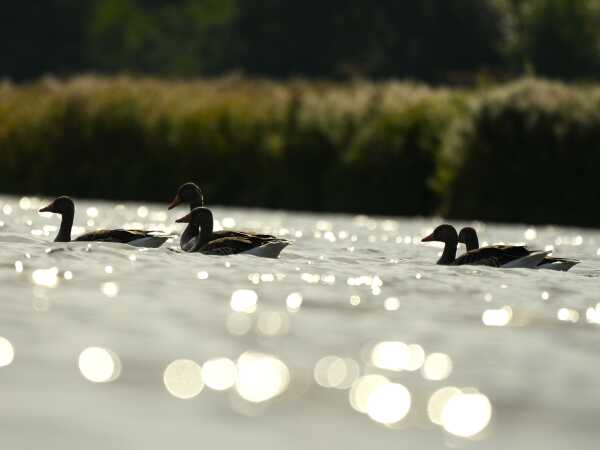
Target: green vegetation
(526,151)
(438,41)
(529,152)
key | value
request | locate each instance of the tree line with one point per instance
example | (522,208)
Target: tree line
(438,41)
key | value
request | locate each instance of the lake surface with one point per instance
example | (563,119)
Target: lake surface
(353,339)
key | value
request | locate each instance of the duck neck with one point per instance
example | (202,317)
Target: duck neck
(191,231)
(196,203)
(66,224)
(200,229)
(473,243)
(206,227)
(449,254)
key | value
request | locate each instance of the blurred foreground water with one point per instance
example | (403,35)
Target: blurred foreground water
(353,339)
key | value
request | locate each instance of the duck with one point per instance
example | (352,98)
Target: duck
(65,207)
(192,194)
(201,238)
(468,236)
(188,193)
(505,256)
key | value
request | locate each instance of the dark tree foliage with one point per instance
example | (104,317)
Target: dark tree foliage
(42,36)
(428,39)
(557,38)
(439,41)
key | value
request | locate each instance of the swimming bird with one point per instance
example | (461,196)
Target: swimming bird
(192,194)
(202,239)
(468,236)
(65,207)
(496,256)
(188,193)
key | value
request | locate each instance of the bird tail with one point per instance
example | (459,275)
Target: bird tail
(269,250)
(530,261)
(560,264)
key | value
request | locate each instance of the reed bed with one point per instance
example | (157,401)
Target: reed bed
(526,151)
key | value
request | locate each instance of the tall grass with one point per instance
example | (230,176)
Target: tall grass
(530,151)
(526,151)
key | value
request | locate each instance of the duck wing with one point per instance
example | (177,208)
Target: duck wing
(132,237)
(257,245)
(560,264)
(229,245)
(242,234)
(494,255)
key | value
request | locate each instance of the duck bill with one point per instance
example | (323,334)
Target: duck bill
(176,201)
(185,219)
(48,208)
(428,238)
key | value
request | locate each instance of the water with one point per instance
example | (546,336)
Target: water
(103,344)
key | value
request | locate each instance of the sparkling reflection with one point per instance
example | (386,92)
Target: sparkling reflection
(390,355)
(294,302)
(437,367)
(7,352)
(388,403)
(219,374)
(239,324)
(25,203)
(45,277)
(568,315)
(261,377)
(336,372)
(362,389)
(497,317)
(99,365)
(110,289)
(183,379)
(416,357)
(272,323)
(530,234)
(92,212)
(592,314)
(391,304)
(244,300)
(355,300)
(466,414)
(438,401)
(397,356)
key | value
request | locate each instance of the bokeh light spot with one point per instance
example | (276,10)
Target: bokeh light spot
(261,377)
(244,300)
(99,365)
(183,379)
(388,403)
(219,374)
(7,352)
(466,414)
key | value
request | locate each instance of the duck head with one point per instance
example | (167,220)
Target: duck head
(443,233)
(198,216)
(468,236)
(446,234)
(188,193)
(62,205)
